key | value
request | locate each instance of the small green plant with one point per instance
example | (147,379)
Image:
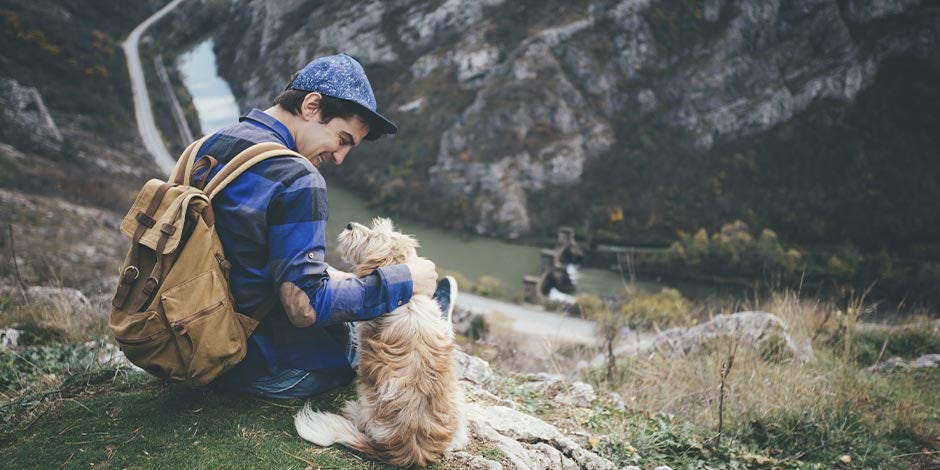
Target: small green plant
(608,324)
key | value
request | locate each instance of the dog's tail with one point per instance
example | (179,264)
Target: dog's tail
(326,429)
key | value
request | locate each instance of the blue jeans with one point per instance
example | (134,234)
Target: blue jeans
(290,383)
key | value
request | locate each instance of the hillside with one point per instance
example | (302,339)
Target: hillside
(815,118)
(71,156)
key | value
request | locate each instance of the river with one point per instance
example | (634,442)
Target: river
(473,257)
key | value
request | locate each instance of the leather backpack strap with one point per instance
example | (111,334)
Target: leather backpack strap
(183,170)
(245,160)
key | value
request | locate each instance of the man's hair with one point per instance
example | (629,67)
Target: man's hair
(330,107)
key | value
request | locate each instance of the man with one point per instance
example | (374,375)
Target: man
(272,221)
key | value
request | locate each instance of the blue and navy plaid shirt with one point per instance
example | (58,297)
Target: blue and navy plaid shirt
(272,224)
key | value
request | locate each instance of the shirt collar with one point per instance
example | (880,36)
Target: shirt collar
(266,121)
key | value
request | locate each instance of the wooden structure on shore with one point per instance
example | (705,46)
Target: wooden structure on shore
(554,268)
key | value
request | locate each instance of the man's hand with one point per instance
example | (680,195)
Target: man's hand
(423,275)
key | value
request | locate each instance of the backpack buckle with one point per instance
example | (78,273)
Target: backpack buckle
(128,270)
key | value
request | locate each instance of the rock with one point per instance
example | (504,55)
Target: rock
(527,442)
(617,401)
(64,298)
(474,370)
(631,467)
(763,331)
(540,383)
(579,394)
(111,355)
(663,467)
(9,338)
(474,462)
(24,118)
(927,360)
(895,364)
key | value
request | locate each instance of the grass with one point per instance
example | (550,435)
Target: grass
(152,424)
(61,408)
(798,415)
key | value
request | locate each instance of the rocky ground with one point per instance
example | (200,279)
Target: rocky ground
(71,157)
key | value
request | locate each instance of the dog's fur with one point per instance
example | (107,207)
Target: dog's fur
(408,411)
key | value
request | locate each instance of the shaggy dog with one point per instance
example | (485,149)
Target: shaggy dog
(408,411)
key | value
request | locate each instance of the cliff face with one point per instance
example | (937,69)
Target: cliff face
(516,116)
(70,154)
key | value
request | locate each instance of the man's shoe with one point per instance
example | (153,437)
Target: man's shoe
(446,297)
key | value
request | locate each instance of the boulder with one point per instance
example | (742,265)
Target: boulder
(474,370)
(9,338)
(895,364)
(578,394)
(25,120)
(58,297)
(763,331)
(540,383)
(528,442)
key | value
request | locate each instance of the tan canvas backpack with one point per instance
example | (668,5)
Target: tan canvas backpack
(172,313)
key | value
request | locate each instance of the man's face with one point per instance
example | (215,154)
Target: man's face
(329,143)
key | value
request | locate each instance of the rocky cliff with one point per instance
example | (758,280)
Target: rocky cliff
(631,118)
(70,154)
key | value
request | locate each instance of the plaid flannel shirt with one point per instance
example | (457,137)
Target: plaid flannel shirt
(272,224)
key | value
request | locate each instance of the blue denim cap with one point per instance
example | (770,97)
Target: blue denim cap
(341,76)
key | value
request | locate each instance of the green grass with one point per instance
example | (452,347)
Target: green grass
(908,342)
(149,424)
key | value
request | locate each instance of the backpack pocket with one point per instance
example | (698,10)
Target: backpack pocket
(146,342)
(209,335)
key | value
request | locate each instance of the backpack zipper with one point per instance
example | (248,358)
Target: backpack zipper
(179,326)
(224,264)
(137,341)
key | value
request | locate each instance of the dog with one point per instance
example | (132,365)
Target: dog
(408,410)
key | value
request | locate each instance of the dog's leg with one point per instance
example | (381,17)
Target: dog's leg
(462,435)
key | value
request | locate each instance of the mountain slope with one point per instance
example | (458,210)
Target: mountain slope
(687,114)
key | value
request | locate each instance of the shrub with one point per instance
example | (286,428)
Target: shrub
(489,286)
(664,309)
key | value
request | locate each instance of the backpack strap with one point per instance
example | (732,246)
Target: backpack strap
(183,170)
(245,160)
(132,272)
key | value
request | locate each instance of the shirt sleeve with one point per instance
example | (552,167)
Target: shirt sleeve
(296,250)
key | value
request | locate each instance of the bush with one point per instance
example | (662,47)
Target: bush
(489,286)
(664,309)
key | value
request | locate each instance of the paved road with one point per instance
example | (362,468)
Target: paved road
(533,320)
(142,109)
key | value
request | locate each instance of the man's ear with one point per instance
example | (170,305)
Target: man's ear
(310,106)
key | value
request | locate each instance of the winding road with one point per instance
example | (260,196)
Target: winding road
(143,111)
